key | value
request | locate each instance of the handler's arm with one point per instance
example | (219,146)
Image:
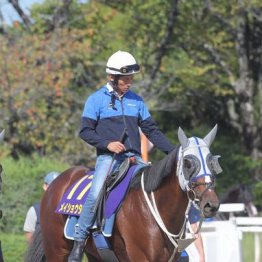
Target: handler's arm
(199,243)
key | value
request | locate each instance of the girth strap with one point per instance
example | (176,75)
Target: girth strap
(103,247)
(107,255)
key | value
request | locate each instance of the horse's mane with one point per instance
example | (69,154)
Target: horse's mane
(154,175)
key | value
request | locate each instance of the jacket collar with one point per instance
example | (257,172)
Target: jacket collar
(109,87)
(111,91)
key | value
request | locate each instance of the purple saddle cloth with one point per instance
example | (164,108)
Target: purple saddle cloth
(73,200)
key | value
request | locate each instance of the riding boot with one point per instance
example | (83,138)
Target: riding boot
(77,251)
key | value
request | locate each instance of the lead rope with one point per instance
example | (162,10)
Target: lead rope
(154,211)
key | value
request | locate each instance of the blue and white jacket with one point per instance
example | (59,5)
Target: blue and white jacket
(105,117)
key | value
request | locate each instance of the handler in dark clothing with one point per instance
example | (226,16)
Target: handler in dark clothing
(194,218)
(33,213)
(110,122)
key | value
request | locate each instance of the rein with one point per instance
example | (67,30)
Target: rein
(192,200)
(154,211)
(174,238)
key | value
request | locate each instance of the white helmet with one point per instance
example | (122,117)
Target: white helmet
(122,63)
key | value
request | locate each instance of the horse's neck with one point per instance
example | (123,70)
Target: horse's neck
(172,203)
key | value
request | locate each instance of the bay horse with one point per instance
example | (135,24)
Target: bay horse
(152,218)
(238,193)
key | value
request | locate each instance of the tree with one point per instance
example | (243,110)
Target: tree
(201,64)
(38,106)
(21,13)
(230,42)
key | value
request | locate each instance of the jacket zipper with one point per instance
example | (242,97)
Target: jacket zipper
(124,120)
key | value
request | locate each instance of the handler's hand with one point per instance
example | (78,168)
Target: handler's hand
(116,147)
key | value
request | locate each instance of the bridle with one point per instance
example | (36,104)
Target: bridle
(189,187)
(173,238)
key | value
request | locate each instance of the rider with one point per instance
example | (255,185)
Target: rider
(110,122)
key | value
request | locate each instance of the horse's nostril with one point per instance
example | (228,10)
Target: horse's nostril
(210,209)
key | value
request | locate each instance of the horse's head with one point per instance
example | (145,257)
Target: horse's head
(240,193)
(245,196)
(197,168)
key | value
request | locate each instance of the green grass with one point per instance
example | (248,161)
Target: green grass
(248,247)
(22,187)
(14,247)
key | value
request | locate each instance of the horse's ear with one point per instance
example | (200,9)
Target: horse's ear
(2,134)
(182,138)
(209,138)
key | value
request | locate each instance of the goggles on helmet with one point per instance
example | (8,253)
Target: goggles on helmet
(129,69)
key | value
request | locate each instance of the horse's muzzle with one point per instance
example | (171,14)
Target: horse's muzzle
(210,208)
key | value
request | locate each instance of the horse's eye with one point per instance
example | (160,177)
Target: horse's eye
(188,163)
(189,167)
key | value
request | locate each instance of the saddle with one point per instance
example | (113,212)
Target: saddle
(108,203)
(116,177)
(111,182)
(110,198)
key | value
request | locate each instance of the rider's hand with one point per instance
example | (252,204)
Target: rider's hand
(116,147)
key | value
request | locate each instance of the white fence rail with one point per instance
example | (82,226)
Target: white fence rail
(252,225)
(223,239)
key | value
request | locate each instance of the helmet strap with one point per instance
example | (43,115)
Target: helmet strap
(115,82)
